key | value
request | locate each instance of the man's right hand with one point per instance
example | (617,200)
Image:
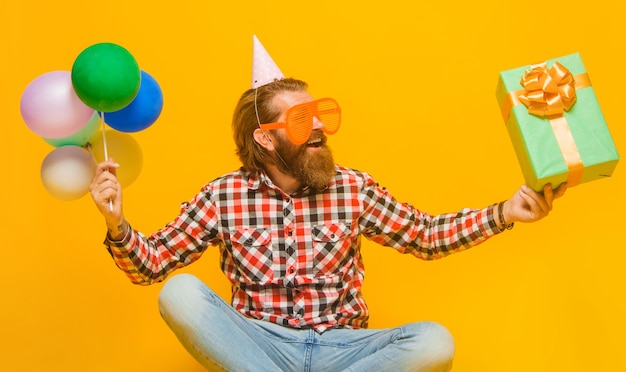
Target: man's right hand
(106,192)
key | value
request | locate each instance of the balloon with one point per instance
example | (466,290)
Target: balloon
(81,137)
(67,172)
(106,77)
(51,108)
(124,149)
(143,111)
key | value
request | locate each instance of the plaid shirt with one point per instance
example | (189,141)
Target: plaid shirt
(295,260)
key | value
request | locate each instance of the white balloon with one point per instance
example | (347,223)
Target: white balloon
(67,172)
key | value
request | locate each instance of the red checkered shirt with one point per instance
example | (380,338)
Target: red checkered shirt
(295,260)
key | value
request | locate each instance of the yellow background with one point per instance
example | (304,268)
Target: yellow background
(416,83)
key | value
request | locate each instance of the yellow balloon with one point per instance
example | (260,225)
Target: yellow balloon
(124,149)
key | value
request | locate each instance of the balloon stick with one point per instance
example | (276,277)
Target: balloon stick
(106,155)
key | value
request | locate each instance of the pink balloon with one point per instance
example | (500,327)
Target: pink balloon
(51,108)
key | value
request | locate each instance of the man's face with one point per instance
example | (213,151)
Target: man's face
(310,163)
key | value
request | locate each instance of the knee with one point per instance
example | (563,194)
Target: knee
(434,342)
(178,293)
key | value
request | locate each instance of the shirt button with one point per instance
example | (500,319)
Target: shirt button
(292,270)
(289,232)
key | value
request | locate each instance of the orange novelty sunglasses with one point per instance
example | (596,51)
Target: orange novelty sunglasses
(299,119)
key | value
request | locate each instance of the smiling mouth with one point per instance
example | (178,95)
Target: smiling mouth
(317,142)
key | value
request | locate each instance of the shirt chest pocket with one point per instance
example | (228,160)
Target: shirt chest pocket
(332,248)
(252,253)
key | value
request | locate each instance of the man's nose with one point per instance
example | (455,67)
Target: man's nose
(317,123)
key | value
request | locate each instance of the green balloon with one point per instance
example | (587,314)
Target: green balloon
(106,77)
(81,137)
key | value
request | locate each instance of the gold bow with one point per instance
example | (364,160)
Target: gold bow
(548,92)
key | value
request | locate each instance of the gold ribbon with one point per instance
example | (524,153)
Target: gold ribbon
(549,93)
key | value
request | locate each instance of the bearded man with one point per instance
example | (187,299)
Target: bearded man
(288,225)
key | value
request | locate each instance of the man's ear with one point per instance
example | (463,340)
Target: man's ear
(263,139)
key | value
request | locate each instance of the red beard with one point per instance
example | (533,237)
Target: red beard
(311,168)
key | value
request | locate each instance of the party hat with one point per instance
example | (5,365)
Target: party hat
(264,70)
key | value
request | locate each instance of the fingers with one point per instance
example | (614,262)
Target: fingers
(540,202)
(548,195)
(528,205)
(104,178)
(560,191)
(105,171)
(108,165)
(103,192)
(105,185)
(536,205)
(551,194)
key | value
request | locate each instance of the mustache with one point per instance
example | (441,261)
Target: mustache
(318,134)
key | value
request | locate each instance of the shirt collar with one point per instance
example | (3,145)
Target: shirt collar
(256,179)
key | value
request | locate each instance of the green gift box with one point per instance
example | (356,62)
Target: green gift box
(545,150)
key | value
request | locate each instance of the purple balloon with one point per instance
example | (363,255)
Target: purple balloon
(51,108)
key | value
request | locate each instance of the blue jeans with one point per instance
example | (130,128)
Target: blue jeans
(219,337)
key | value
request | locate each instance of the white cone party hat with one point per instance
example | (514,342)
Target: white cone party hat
(264,70)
